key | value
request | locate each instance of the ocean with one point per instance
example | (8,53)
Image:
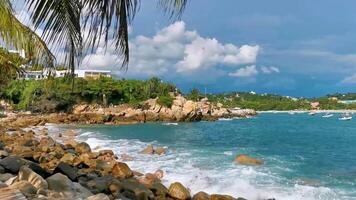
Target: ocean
(306,157)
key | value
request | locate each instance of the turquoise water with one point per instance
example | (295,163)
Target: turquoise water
(306,157)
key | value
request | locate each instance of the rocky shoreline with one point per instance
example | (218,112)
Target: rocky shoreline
(34,166)
(181,110)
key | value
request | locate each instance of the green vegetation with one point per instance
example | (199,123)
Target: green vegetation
(55,94)
(165,101)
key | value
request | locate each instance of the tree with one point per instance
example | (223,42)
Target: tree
(64,22)
(14,33)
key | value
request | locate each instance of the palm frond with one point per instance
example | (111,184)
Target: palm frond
(173,7)
(14,34)
(60,20)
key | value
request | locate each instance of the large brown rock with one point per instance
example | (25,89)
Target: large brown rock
(178,191)
(121,170)
(221,197)
(201,196)
(82,148)
(148,150)
(68,158)
(26,174)
(244,159)
(160,150)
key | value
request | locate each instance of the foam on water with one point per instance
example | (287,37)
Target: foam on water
(240,181)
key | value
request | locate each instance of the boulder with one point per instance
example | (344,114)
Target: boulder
(126,157)
(99,196)
(139,190)
(148,179)
(201,196)
(38,169)
(70,133)
(82,148)
(3,154)
(221,197)
(12,164)
(121,170)
(148,150)
(5,177)
(68,158)
(159,189)
(25,187)
(160,150)
(67,170)
(26,174)
(63,185)
(178,191)
(2,169)
(159,174)
(246,160)
(100,184)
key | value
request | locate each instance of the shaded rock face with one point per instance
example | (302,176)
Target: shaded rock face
(121,170)
(25,187)
(178,191)
(201,196)
(246,160)
(12,163)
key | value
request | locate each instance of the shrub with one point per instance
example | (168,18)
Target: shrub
(166,101)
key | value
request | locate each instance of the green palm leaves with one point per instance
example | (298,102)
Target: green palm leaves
(73,25)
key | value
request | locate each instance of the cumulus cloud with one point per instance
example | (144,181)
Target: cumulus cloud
(247,71)
(350,79)
(269,70)
(174,49)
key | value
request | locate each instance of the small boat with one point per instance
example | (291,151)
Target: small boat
(345,117)
(291,113)
(327,115)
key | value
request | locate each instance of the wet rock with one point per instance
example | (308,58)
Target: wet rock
(26,174)
(160,150)
(159,174)
(38,169)
(3,154)
(148,179)
(3,185)
(82,148)
(148,150)
(63,185)
(246,160)
(70,133)
(158,189)
(116,187)
(121,170)
(106,152)
(178,191)
(25,187)
(70,144)
(67,170)
(201,196)
(221,197)
(12,164)
(5,177)
(138,189)
(2,170)
(68,158)
(100,184)
(126,157)
(99,196)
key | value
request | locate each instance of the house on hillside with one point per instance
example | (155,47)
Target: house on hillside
(87,74)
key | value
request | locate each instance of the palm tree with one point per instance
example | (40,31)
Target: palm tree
(64,21)
(14,33)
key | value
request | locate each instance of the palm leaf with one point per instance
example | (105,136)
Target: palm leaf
(14,34)
(60,20)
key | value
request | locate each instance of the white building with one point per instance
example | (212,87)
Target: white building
(32,75)
(89,74)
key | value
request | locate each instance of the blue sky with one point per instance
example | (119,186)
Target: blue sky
(298,48)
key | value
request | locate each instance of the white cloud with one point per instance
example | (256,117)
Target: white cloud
(350,79)
(269,70)
(247,71)
(174,49)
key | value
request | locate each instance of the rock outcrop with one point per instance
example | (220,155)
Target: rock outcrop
(243,159)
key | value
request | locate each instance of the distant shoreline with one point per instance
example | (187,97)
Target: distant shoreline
(308,111)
